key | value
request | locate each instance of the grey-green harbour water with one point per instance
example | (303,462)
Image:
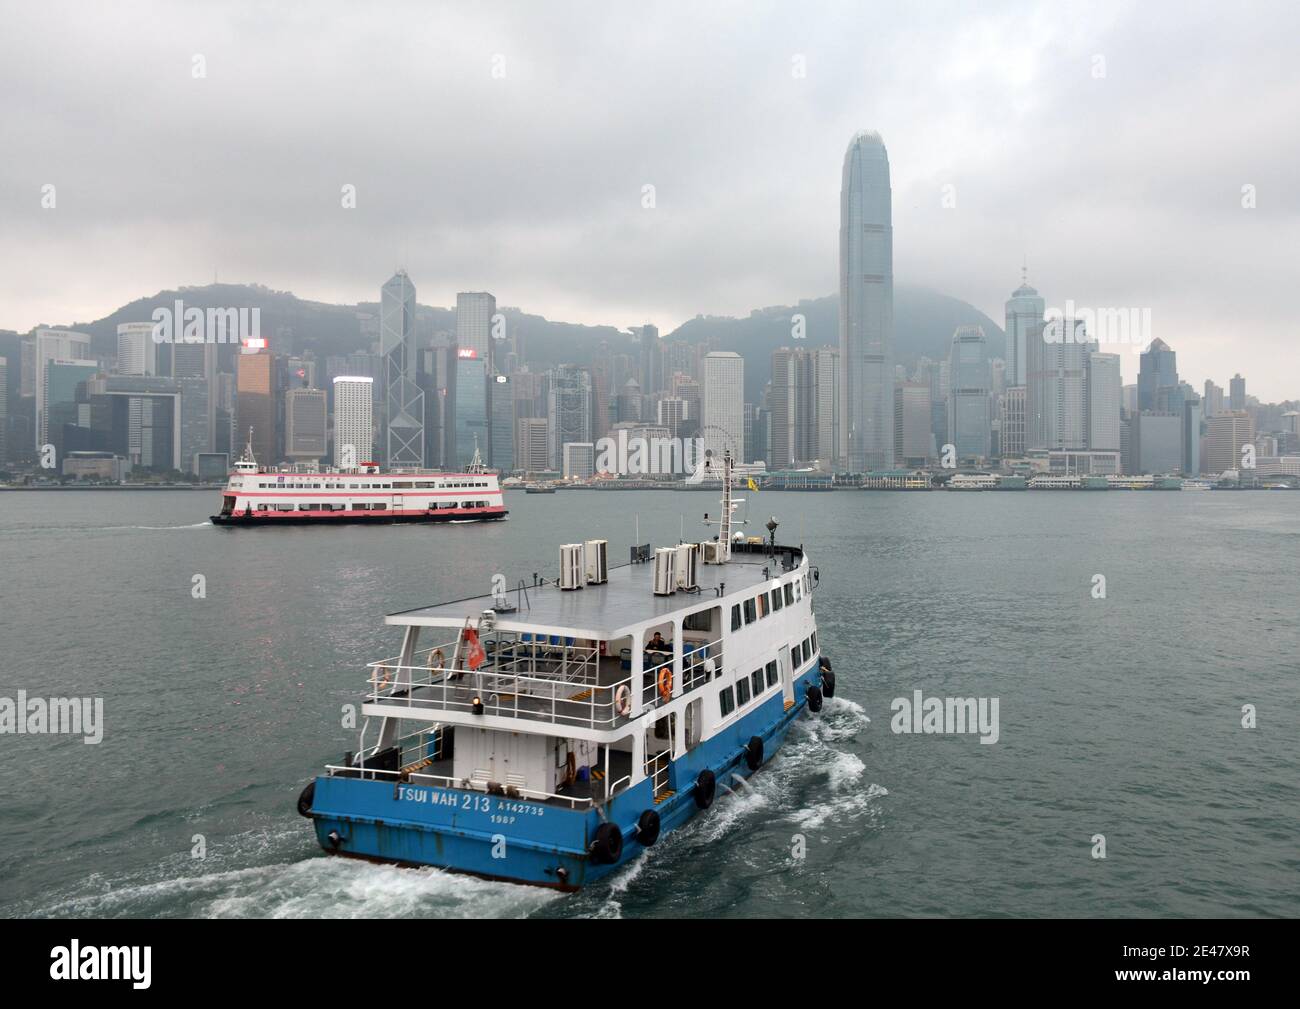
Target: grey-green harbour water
(1119,716)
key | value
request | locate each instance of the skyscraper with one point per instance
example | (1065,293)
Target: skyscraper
(1226,434)
(912,439)
(724,405)
(866,307)
(1011,442)
(1157,371)
(304,424)
(532,444)
(256,388)
(569,409)
(969,420)
(403,400)
(1192,418)
(826,393)
(4,411)
(792,400)
(137,354)
(62,379)
(1237,393)
(1103,402)
(1024,311)
(1213,399)
(353,419)
(1056,387)
(51,345)
(474,312)
(652,360)
(474,376)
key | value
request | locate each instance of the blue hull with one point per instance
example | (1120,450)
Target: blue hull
(519,840)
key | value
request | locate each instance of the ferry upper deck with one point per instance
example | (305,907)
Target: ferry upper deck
(606,611)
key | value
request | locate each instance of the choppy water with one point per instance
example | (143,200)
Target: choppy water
(1119,716)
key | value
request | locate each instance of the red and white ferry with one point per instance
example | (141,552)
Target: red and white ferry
(256,496)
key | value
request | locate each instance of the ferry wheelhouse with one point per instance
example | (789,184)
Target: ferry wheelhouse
(551,732)
(257,496)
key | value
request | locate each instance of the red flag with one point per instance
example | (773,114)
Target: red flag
(474,652)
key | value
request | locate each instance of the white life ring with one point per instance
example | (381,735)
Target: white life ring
(623,700)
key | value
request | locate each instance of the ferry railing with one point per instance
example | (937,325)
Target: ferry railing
(465,784)
(657,771)
(489,690)
(701,662)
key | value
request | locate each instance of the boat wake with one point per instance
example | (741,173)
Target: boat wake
(65,530)
(318,887)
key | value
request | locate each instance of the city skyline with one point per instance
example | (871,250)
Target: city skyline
(966,116)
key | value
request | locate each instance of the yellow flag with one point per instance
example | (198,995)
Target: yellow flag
(752,485)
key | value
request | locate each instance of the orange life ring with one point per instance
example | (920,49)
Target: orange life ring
(666,682)
(623,700)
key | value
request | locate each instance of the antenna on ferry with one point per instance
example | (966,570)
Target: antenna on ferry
(247,463)
(726,520)
(476,464)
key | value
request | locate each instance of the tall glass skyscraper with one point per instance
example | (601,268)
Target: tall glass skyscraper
(1157,370)
(403,401)
(476,360)
(1024,312)
(969,411)
(866,307)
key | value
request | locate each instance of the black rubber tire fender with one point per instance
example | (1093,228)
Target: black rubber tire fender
(607,846)
(828,683)
(706,786)
(305,799)
(754,753)
(814,699)
(647,828)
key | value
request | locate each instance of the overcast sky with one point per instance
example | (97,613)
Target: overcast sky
(1108,143)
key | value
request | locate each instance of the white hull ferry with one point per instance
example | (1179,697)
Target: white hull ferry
(256,496)
(550,733)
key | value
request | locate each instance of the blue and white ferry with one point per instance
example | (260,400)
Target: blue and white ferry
(548,733)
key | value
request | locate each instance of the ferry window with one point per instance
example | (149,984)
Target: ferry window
(379,507)
(742,693)
(807,646)
(698,621)
(735,617)
(813,639)
(771,673)
(798,593)
(776,599)
(789,593)
(761,599)
(749,611)
(261,508)
(406,485)
(795,658)
(756,681)
(726,702)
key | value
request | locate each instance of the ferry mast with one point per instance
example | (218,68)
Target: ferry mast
(729,505)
